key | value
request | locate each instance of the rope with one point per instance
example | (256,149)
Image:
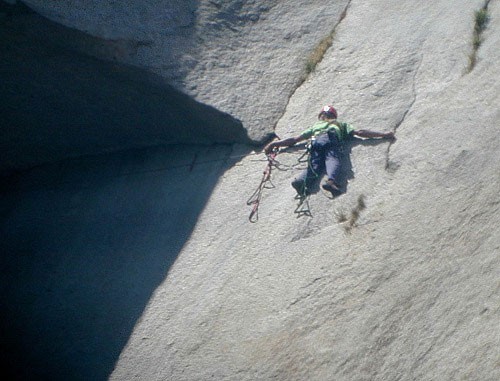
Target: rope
(303,208)
(265,183)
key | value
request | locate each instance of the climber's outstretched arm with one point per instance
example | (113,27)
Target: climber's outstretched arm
(374,134)
(282,143)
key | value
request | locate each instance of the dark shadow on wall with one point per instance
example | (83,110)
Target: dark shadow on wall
(57,102)
(90,223)
(85,244)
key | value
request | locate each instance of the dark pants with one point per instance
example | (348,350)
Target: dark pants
(324,156)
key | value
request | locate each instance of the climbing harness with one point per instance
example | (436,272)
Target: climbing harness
(265,183)
(304,158)
(301,184)
(303,207)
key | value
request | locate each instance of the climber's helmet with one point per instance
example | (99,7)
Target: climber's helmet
(329,112)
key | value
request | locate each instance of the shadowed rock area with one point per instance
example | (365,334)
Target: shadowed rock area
(59,102)
(142,265)
(85,244)
(244,58)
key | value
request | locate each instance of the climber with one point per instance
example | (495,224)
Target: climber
(327,135)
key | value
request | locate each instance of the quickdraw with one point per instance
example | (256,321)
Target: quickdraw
(303,208)
(265,183)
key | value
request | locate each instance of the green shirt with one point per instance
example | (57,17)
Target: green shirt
(342,131)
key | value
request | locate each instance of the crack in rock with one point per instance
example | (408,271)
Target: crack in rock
(389,165)
(302,79)
(481,19)
(308,294)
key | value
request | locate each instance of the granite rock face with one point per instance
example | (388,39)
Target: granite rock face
(60,101)
(143,265)
(407,287)
(244,58)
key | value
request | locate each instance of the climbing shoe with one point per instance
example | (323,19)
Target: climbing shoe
(330,186)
